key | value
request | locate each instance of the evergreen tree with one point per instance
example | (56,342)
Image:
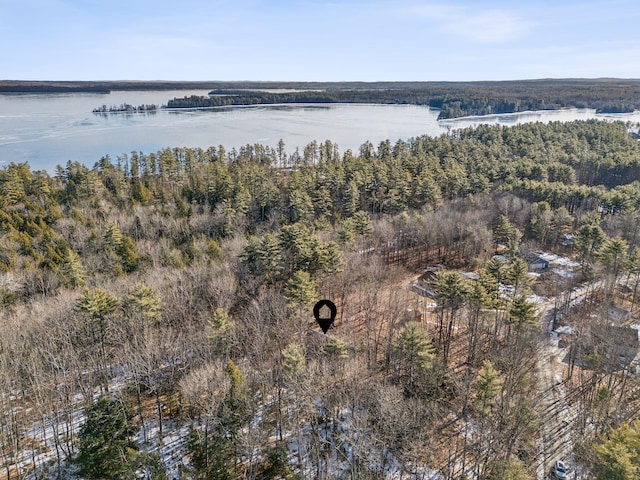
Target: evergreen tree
(541,221)
(72,271)
(508,234)
(104,441)
(510,469)
(335,349)
(517,274)
(613,254)
(210,455)
(617,457)
(143,301)
(361,223)
(588,241)
(452,291)
(218,331)
(123,246)
(128,252)
(113,237)
(214,451)
(293,360)
(633,269)
(301,289)
(522,314)
(351,199)
(415,354)
(488,386)
(270,258)
(275,465)
(96,305)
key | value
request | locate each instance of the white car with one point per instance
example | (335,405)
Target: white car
(560,470)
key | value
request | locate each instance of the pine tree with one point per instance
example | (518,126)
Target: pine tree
(335,349)
(452,291)
(213,250)
(218,331)
(489,384)
(361,223)
(128,253)
(504,229)
(113,237)
(214,451)
(72,271)
(301,290)
(143,301)
(517,274)
(123,246)
(415,354)
(12,185)
(509,234)
(300,206)
(613,254)
(633,268)
(104,441)
(478,300)
(509,469)
(269,258)
(96,305)
(293,361)
(236,402)
(351,199)
(541,220)
(275,465)
(588,241)
(330,258)
(522,314)
(618,455)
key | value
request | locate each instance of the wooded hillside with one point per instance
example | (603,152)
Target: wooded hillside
(156,308)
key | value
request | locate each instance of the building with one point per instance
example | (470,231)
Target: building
(536,263)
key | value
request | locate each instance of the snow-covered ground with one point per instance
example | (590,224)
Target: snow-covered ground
(558,260)
(341,439)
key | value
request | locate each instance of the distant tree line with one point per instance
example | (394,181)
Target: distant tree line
(455,100)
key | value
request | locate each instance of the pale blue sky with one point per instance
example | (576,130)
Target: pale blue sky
(324,40)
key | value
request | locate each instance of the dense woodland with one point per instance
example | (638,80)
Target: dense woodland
(156,308)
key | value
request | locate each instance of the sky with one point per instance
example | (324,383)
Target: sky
(318,40)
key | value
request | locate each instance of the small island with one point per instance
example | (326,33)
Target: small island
(127,108)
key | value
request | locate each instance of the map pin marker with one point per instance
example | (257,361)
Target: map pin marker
(322,318)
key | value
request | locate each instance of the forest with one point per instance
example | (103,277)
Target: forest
(156,310)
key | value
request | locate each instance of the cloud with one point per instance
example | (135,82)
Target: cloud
(468,23)
(487,27)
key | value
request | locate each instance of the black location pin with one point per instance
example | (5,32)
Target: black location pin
(324,322)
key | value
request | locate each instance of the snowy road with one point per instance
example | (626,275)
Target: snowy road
(556,416)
